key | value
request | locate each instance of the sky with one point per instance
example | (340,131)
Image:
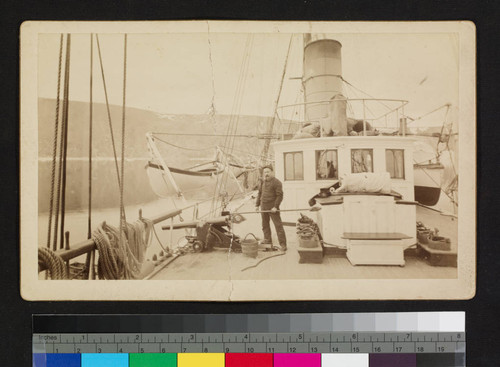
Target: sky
(187,73)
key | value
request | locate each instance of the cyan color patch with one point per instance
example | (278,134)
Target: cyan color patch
(104,360)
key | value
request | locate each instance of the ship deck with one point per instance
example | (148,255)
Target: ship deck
(221,264)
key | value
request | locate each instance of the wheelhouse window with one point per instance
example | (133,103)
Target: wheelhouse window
(362,160)
(395,162)
(294,166)
(326,164)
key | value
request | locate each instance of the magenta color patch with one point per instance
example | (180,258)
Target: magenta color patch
(297,360)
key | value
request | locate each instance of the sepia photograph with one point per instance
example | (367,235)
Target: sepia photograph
(247,161)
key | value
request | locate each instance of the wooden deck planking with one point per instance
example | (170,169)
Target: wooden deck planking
(217,265)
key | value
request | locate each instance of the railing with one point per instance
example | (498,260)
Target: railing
(396,112)
(88,246)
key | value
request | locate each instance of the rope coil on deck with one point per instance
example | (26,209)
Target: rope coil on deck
(54,264)
(122,259)
(306,227)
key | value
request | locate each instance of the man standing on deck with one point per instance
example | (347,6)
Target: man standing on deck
(269,199)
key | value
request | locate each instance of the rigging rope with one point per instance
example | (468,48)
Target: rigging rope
(55,265)
(233,123)
(428,113)
(65,121)
(108,110)
(212,110)
(270,129)
(59,178)
(179,147)
(193,134)
(122,180)
(369,95)
(54,147)
(89,224)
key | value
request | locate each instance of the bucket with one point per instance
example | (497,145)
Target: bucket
(309,242)
(250,247)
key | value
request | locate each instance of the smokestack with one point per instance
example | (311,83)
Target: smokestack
(322,74)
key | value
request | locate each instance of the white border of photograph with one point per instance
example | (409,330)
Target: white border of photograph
(33,289)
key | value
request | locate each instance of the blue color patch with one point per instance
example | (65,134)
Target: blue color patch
(104,360)
(39,360)
(63,360)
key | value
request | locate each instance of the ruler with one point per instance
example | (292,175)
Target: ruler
(294,342)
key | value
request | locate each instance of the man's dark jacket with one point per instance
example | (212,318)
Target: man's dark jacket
(270,194)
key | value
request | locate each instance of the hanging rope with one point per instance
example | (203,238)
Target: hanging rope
(108,109)
(54,264)
(54,148)
(89,226)
(65,137)
(122,180)
(221,182)
(59,179)
(110,123)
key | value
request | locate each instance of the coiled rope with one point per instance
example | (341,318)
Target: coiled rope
(54,264)
(122,259)
(307,228)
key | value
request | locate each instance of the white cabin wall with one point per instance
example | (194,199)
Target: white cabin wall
(298,193)
(406,217)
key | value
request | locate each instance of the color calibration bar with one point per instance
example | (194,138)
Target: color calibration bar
(248,360)
(261,340)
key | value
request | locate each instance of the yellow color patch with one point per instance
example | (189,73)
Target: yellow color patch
(200,360)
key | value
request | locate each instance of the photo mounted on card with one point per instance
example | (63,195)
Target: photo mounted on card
(245,161)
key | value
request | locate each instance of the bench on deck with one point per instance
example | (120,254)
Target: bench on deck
(375,248)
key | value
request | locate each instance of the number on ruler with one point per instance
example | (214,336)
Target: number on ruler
(270,349)
(335,349)
(250,350)
(355,349)
(292,349)
(440,349)
(377,349)
(398,349)
(420,349)
(314,349)
(163,350)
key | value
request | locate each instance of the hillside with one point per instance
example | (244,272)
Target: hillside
(183,151)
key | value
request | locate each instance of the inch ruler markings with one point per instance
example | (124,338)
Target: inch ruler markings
(294,342)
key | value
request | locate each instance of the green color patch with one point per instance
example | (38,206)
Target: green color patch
(153,360)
